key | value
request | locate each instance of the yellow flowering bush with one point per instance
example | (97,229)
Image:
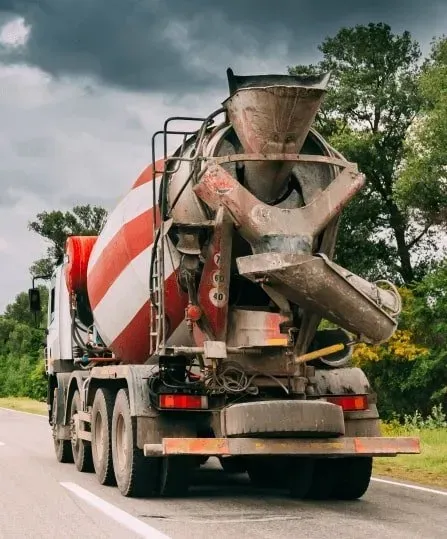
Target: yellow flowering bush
(399,347)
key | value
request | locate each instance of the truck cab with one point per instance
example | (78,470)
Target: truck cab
(59,339)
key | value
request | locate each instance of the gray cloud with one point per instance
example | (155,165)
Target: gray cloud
(181,46)
(63,143)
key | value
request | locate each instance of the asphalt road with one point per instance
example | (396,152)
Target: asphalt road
(40,498)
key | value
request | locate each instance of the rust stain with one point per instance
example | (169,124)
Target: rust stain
(387,445)
(248,446)
(195,446)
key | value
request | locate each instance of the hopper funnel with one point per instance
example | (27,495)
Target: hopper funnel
(272,114)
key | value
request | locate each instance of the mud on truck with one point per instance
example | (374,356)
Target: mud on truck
(209,319)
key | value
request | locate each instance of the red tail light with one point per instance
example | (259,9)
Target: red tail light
(350,403)
(183,402)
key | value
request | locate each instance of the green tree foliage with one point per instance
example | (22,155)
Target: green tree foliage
(56,226)
(22,367)
(409,372)
(372,100)
(42,267)
(428,317)
(19,309)
(422,186)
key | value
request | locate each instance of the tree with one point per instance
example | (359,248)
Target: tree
(409,370)
(428,317)
(57,226)
(373,98)
(42,267)
(422,186)
(19,311)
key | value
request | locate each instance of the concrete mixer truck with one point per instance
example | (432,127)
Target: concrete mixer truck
(208,318)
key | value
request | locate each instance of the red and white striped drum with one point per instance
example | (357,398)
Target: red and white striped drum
(118,274)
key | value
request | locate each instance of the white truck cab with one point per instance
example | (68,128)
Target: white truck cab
(59,341)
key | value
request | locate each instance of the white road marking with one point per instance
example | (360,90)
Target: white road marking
(406,485)
(120,516)
(241,520)
(20,412)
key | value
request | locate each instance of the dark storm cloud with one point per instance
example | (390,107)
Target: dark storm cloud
(176,44)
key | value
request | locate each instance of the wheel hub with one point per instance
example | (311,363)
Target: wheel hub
(121,444)
(74,430)
(99,434)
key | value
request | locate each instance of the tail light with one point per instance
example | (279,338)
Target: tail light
(350,403)
(183,402)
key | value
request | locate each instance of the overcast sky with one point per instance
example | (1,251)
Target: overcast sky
(85,83)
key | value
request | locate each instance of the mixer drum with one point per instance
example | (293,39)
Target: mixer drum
(78,250)
(118,275)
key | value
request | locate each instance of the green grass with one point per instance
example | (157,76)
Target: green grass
(24,404)
(427,468)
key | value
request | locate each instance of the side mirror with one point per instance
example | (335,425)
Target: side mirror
(34,300)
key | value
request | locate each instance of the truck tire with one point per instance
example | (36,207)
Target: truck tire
(102,412)
(175,476)
(353,477)
(300,473)
(323,479)
(135,474)
(284,418)
(267,471)
(233,464)
(63,450)
(82,451)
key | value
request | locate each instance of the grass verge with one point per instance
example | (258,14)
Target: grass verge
(24,404)
(427,468)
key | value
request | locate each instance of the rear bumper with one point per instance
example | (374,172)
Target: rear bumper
(335,447)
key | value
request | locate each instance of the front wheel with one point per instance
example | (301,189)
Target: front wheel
(62,448)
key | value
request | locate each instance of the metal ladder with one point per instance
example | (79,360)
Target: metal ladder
(156,307)
(157,328)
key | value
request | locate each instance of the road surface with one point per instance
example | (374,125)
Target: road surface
(41,498)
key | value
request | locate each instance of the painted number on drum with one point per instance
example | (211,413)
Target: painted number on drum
(217,259)
(218,278)
(217,298)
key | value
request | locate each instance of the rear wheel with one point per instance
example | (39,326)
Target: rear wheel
(300,473)
(175,476)
(136,475)
(233,464)
(267,472)
(102,412)
(323,479)
(354,475)
(82,451)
